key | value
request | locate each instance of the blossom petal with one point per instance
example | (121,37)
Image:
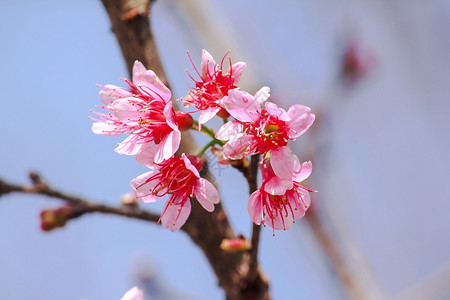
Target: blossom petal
(169,113)
(143,187)
(147,155)
(301,200)
(139,71)
(207,115)
(304,201)
(237,147)
(189,165)
(168,146)
(282,219)
(284,162)
(134,294)
(175,215)
(301,119)
(149,83)
(130,146)
(262,95)
(228,130)
(302,173)
(241,105)
(110,93)
(206,193)
(208,64)
(128,109)
(105,128)
(278,186)
(236,70)
(274,110)
(255,207)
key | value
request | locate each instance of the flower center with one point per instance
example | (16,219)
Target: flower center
(175,177)
(270,128)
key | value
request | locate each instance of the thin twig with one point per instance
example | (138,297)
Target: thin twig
(42,189)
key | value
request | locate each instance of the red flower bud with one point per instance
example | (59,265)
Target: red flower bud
(234,245)
(184,120)
(54,218)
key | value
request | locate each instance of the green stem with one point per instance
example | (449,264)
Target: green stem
(203,150)
(205,130)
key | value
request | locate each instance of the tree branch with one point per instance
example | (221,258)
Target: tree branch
(252,179)
(87,205)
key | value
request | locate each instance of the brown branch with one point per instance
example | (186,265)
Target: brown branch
(252,179)
(132,28)
(87,205)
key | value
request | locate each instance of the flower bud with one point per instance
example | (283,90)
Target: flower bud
(184,121)
(54,218)
(222,113)
(234,245)
(128,199)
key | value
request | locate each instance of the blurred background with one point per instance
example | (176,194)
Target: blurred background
(375,72)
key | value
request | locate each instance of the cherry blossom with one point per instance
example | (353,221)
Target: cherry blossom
(279,202)
(179,177)
(258,130)
(144,112)
(212,86)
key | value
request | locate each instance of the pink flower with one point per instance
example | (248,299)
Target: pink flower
(179,177)
(145,113)
(279,202)
(259,130)
(213,86)
(133,294)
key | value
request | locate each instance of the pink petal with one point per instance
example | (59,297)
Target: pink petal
(128,109)
(150,84)
(208,64)
(105,128)
(284,162)
(262,95)
(237,147)
(111,93)
(228,130)
(143,188)
(130,146)
(283,219)
(134,294)
(147,155)
(174,216)
(255,209)
(189,165)
(168,146)
(169,113)
(241,105)
(236,70)
(305,200)
(301,119)
(278,186)
(274,110)
(139,71)
(207,115)
(206,193)
(303,173)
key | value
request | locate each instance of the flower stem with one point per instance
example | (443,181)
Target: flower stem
(205,130)
(203,150)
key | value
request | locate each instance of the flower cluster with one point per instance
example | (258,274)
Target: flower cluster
(145,112)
